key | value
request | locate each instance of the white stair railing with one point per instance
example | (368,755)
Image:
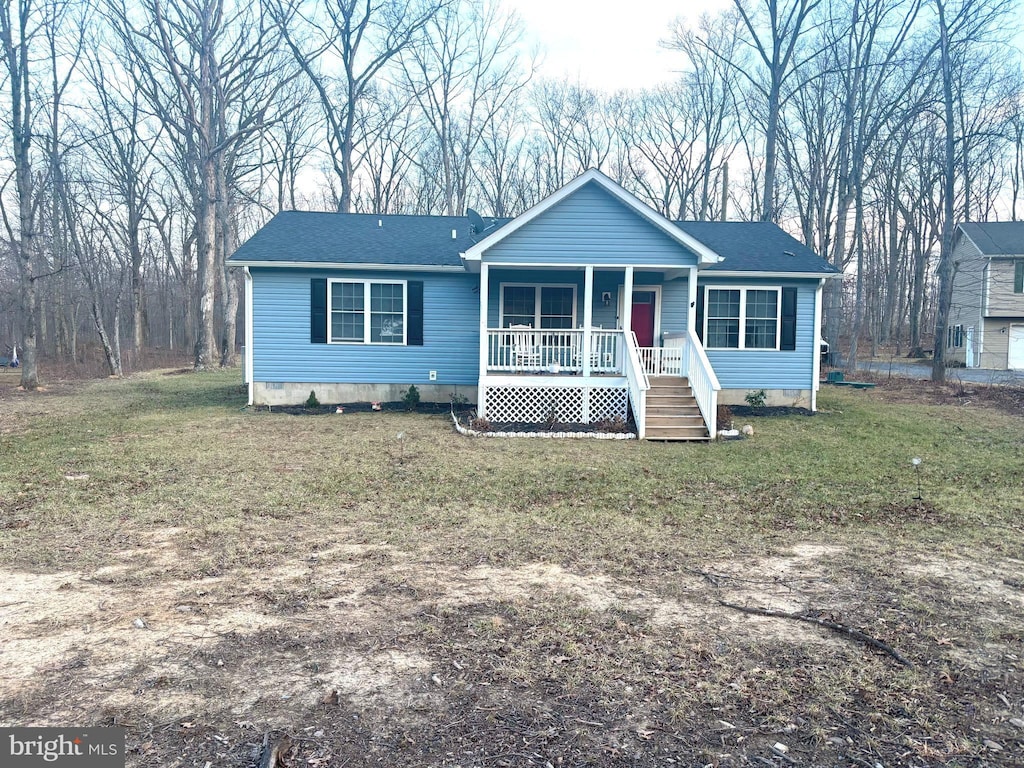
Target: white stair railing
(697,369)
(639,383)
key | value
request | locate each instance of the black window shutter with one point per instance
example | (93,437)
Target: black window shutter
(788,340)
(1018,276)
(414,313)
(699,330)
(318,310)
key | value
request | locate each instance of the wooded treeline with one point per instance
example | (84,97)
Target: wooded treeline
(143,141)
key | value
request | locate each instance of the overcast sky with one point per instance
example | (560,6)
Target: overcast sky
(601,44)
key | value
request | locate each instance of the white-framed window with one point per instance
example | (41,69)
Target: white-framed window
(742,318)
(538,306)
(366,311)
(955,337)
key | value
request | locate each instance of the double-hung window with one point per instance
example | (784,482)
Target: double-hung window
(742,318)
(367,311)
(538,306)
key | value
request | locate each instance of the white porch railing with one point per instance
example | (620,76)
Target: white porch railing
(639,383)
(662,361)
(552,351)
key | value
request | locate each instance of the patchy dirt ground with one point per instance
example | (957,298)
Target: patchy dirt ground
(432,600)
(895,389)
(366,655)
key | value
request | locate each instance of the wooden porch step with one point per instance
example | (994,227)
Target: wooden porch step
(680,422)
(672,411)
(677,434)
(670,400)
(668,381)
(674,417)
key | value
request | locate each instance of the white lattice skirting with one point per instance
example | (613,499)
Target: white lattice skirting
(570,405)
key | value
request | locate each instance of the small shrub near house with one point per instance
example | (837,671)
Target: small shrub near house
(756,399)
(411,398)
(613,424)
(480,424)
(311,401)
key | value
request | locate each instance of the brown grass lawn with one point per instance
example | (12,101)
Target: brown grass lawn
(207,576)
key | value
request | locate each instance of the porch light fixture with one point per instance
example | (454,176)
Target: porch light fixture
(606,298)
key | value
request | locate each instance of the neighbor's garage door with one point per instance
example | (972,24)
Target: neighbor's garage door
(1016,357)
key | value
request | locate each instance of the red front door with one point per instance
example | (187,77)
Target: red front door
(642,321)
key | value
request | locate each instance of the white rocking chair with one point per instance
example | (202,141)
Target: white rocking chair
(525,353)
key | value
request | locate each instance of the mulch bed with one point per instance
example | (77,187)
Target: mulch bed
(523,426)
(769,412)
(322,410)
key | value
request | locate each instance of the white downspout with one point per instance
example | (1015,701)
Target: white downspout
(248,334)
(816,375)
(481,405)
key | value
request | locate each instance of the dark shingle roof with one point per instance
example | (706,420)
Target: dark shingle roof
(755,246)
(356,238)
(996,238)
(426,241)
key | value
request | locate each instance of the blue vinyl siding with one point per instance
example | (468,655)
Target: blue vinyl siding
(674,294)
(770,369)
(675,299)
(283,352)
(590,227)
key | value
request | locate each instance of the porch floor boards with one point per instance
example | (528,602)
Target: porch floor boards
(672,411)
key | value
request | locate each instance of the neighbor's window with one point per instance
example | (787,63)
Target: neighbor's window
(754,310)
(367,312)
(955,337)
(538,306)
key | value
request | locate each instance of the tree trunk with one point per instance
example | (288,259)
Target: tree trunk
(858,301)
(206,257)
(945,270)
(768,212)
(28,316)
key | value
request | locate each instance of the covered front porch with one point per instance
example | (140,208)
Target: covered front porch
(580,296)
(583,344)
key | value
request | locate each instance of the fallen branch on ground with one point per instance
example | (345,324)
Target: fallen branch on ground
(273,754)
(835,626)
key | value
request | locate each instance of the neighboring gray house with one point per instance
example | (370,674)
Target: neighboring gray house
(986,319)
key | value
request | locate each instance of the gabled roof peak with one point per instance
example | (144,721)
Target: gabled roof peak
(593,176)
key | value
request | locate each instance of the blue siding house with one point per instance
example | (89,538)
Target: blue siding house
(587,307)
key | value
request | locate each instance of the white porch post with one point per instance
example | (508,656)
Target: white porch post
(588,316)
(588,321)
(691,317)
(627,301)
(481,405)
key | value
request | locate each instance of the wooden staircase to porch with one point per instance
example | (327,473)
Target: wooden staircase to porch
(672,411)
